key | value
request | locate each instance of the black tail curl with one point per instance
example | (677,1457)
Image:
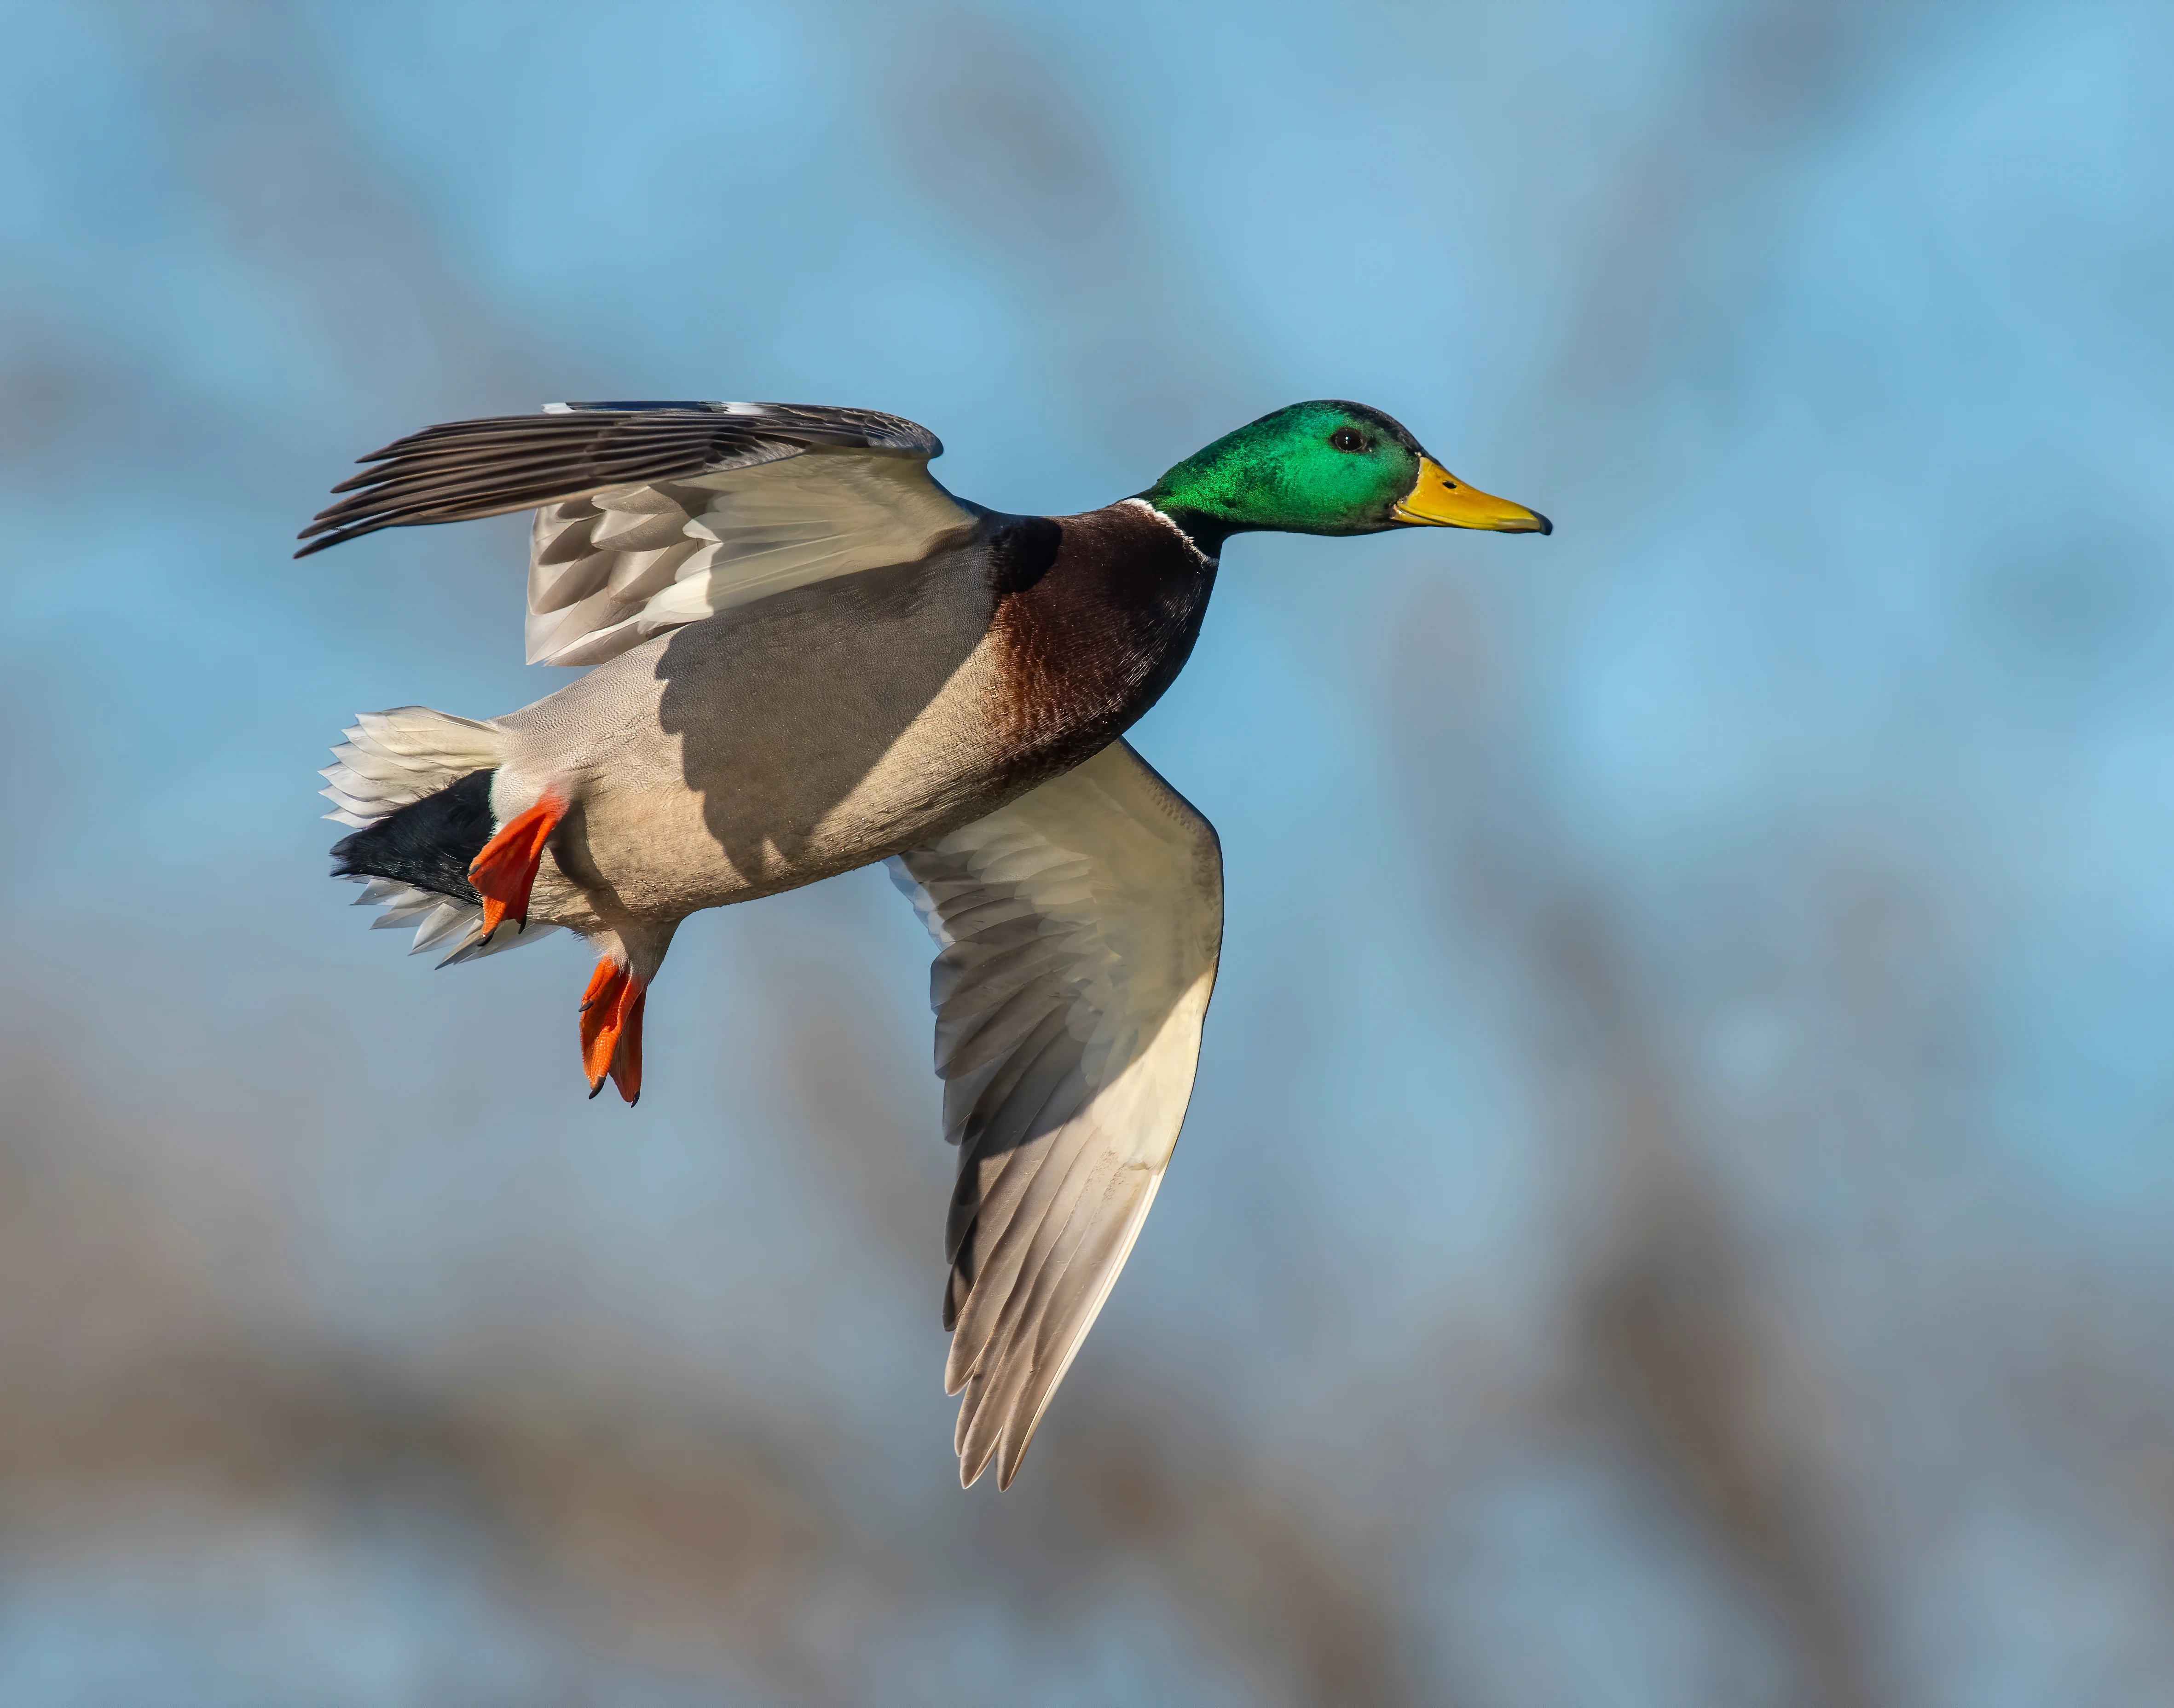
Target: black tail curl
(429,843)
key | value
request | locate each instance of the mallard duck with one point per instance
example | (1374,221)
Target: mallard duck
(808,656)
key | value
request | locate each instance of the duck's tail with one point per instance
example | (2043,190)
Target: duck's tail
(415,784)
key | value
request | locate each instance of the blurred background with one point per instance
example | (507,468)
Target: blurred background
(1675,1208)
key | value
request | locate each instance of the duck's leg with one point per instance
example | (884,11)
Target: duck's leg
(611,1026)
(611,1007)
(505,872)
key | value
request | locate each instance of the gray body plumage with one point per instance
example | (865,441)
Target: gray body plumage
(819,730)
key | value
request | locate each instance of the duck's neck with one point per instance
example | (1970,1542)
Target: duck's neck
(1095,616)
(1206,532)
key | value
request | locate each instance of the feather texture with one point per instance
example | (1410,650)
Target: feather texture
(650,516)
(1078,929)
(610,570)
(390,758)
(389,761)
(439,919)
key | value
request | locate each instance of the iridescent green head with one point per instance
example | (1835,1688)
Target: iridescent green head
(1324,467)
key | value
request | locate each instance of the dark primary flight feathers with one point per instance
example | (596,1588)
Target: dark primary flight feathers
(466,469)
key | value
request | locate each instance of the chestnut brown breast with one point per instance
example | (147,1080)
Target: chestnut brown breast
(1095,615)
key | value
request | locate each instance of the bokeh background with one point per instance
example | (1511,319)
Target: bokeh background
(1676,1207)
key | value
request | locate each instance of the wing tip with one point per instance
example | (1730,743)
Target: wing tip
(975,1458)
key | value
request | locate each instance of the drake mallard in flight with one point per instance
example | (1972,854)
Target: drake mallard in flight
(809,656)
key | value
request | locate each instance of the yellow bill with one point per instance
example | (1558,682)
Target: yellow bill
(1438,499)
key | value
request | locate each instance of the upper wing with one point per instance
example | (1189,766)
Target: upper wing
(1078,929)
(653,514)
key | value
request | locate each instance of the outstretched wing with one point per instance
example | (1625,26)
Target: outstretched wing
(653,514)
(1078,929)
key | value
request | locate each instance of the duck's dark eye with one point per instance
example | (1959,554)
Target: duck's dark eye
(1347,439)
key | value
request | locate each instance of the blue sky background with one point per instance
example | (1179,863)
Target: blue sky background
(1674,1208)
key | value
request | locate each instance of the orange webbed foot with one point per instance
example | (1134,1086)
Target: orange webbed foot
(505,872)
(611,1029)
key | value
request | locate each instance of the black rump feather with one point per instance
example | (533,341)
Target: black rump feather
(429,843)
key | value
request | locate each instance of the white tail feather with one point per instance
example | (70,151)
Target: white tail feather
(442,920)
(389,759)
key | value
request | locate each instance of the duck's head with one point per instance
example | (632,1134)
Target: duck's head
(1325,467)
